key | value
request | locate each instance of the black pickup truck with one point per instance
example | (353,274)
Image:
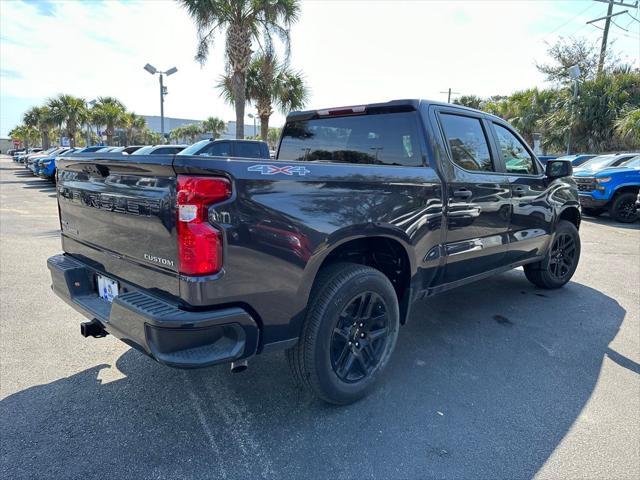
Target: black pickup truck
(202,260)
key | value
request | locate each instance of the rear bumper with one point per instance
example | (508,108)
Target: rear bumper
(170,335)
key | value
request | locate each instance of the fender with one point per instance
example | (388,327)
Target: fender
(339,238)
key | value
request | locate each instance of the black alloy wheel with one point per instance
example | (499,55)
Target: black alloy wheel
(626,210)
(563,255)
(359,337)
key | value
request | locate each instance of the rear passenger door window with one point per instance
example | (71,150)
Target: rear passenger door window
(167,151)
(515,155)
(467,141)
(248,150)
(218,149)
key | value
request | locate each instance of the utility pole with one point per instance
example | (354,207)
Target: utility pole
(605,34)
(449,92)
(607,24)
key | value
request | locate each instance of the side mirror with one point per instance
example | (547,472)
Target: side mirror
(558,169)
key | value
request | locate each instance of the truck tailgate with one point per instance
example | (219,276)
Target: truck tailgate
(118,214)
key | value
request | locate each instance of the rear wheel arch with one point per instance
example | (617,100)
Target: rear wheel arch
(375,251)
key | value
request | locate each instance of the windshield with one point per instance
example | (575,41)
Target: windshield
(143,150)
(633,163)
(598,162)
(195,148)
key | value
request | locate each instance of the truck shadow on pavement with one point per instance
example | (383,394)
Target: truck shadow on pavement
(485,382)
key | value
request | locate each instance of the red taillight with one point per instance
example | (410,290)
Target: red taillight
(199,243)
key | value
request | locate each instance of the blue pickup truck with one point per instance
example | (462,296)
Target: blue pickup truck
(613,188)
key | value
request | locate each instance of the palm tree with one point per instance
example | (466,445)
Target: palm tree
(149,137)
(133,125)
(627,126)
(243,21)
(214,125)
(273,137)
(188,133)
(110,113)
(269,84)
(25,133)
(70,111)
(40,118)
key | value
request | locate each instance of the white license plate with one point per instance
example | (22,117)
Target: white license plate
(107,288)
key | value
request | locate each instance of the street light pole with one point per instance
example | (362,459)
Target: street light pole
(163,90)
(161,107)
(251,115)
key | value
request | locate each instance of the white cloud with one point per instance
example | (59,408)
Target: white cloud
(350,51)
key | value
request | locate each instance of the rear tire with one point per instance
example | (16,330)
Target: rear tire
(561,261)
(350,331)
(593,212)
(623,208)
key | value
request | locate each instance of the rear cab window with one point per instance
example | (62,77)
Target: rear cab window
(373,139)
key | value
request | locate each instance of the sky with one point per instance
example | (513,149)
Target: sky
(350,51)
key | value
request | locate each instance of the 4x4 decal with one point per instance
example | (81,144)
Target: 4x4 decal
(273,170)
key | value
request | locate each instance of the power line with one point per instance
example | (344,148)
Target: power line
(621,28)
(568,22)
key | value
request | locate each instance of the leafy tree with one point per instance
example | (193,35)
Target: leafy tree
(41,119)
(627,126)
(269,84)
(567,52)
(596,123)
(273,137)
(69,111)
(133,125)
(471,101)
(215,125)
(149,137)
(109,112)
(188,133)
(243,21)
(27,134)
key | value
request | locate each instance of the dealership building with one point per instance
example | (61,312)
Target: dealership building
(153,123)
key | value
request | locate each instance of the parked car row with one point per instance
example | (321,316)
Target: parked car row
(42,163)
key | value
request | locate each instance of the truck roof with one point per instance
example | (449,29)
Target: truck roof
(392,105)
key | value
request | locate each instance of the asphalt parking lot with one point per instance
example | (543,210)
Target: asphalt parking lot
(493,380)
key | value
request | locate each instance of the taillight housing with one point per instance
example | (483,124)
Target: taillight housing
(199,243)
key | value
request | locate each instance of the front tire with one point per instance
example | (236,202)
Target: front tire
(623,208)
(350,331)
(561,261)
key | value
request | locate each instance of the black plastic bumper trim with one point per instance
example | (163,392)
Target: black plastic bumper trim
(171,335)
